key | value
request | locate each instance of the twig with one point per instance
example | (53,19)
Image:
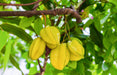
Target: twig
(59,11)
(36,5)
(44,19)
(66,28)
(52,20)
(45,61)
(4,4)
(40,66)
(72,7)
(59,19)
(80,6)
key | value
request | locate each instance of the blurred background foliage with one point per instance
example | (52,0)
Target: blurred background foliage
(98,33)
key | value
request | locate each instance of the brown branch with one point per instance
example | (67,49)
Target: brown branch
(40,66)
(45,61)
(4,4)
(58,21)
(59,11)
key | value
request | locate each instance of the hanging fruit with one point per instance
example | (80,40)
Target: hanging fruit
(51,36)
(76,49)
(59,56)
(37,48)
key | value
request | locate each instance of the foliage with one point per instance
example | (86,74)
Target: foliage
(99,16)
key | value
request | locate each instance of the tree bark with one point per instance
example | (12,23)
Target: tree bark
(59,11)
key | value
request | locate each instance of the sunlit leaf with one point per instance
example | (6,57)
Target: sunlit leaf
(38,25)
(3,38)
(114,2)
(16,31)
(15,63)
(33,70)
(7,53)
(48,22)
(88,23)
(72,64)
(26,22)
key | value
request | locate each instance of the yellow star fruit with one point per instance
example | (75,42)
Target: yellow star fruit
(76,50)
(37,48)
(51,36)
(59,56)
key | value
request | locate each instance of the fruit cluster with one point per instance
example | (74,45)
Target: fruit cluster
(60,54)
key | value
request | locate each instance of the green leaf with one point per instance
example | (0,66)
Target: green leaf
(64,2)
(109,38)
(17,31)
(33,70)
(112,70)
(48,22)
(28,65)
(90,48)
(50,70)
(96,36)
(7,53)
(74,0)
(97,23)
(88,73)
(106,43)
(26,22)
(114,2)
(108,57)
(72,64)
(3,39)
(13,20)
(80,68)
(88,23)
(15,63)
(38,25)
(103,20)
(72,24)
(98,59)
(115,55)
(1,1)
(61,73)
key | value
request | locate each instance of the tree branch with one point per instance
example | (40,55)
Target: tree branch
(59,11)
(40,66)
(20,4)
(45,61)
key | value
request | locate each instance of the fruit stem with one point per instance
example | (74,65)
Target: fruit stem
(40,66)
(44,19)
(66,27)
(42,70)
